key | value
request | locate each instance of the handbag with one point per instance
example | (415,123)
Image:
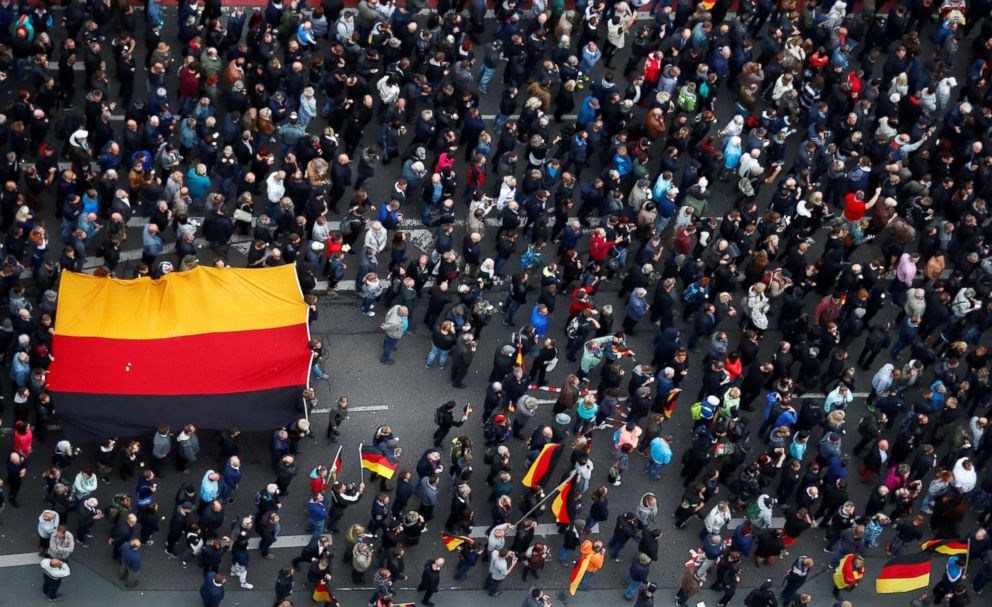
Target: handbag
(242,215)
(551,365)
(744,185)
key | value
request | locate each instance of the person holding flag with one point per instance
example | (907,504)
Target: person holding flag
(953,574)
(567,503)
(342,496)
(445,419)
(592,556)
(848,574)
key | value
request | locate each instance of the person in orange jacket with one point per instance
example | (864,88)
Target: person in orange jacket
(848,574)
(596,552)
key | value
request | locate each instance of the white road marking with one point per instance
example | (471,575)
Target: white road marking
(777,522)
(285,541)
(353,409)
(821,395)
(542,529)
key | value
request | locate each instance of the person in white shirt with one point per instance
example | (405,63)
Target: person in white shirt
(965,476)
(55,570)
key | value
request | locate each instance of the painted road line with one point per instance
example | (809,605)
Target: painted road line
(777,522)
(354,409)
(286,541)
(19,560)
(821,395)
(542,529)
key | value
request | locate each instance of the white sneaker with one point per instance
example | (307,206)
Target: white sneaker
(248,586)
(370,313)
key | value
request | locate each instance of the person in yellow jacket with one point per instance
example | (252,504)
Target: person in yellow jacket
(848,574)
(596,552)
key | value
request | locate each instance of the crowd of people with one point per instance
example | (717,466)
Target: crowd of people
(710,174)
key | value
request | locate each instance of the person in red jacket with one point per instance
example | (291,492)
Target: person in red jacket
(476,177)
(599,247)
(580,302)
(189,87)
(320,479)
(848,574)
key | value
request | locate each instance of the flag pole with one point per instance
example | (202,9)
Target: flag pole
(335,461)
(361,467)
(546,498)
(967,560)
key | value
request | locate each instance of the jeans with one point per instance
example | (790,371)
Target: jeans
(389,345)
(367,303)
(615,545)
(584,584)
(632,587)
(435,353)
(511,309)
(484,77)
(318,529)
(896,546)
(563,555)
(317,372)
(497,267)
(461,571)
(653,469)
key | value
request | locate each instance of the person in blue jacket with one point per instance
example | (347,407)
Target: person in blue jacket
(212,590)
(539,320)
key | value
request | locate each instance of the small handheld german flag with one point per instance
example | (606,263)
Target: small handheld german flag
(375,461)
(454,541)
(336,465)
(949,547)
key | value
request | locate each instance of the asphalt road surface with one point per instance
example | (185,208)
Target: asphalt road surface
(403,395)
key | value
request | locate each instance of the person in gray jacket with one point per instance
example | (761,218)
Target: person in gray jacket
(161,446)
(427,492)
(394,326)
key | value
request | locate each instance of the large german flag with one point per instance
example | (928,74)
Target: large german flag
(376,461)
(544,464)
(561,505)
(904,573)
(949,547)
(212,347)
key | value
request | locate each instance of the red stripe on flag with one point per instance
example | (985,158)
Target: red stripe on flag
(212,363)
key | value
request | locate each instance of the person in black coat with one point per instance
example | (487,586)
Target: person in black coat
(625,529)
(404,491)
(267,532)
(318,548)
(212,555)
(122,533)
(649,543)
(396,564)
(430,580)
(445,420)
(177,527)
(878,339)
(284,584)
(728,575)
